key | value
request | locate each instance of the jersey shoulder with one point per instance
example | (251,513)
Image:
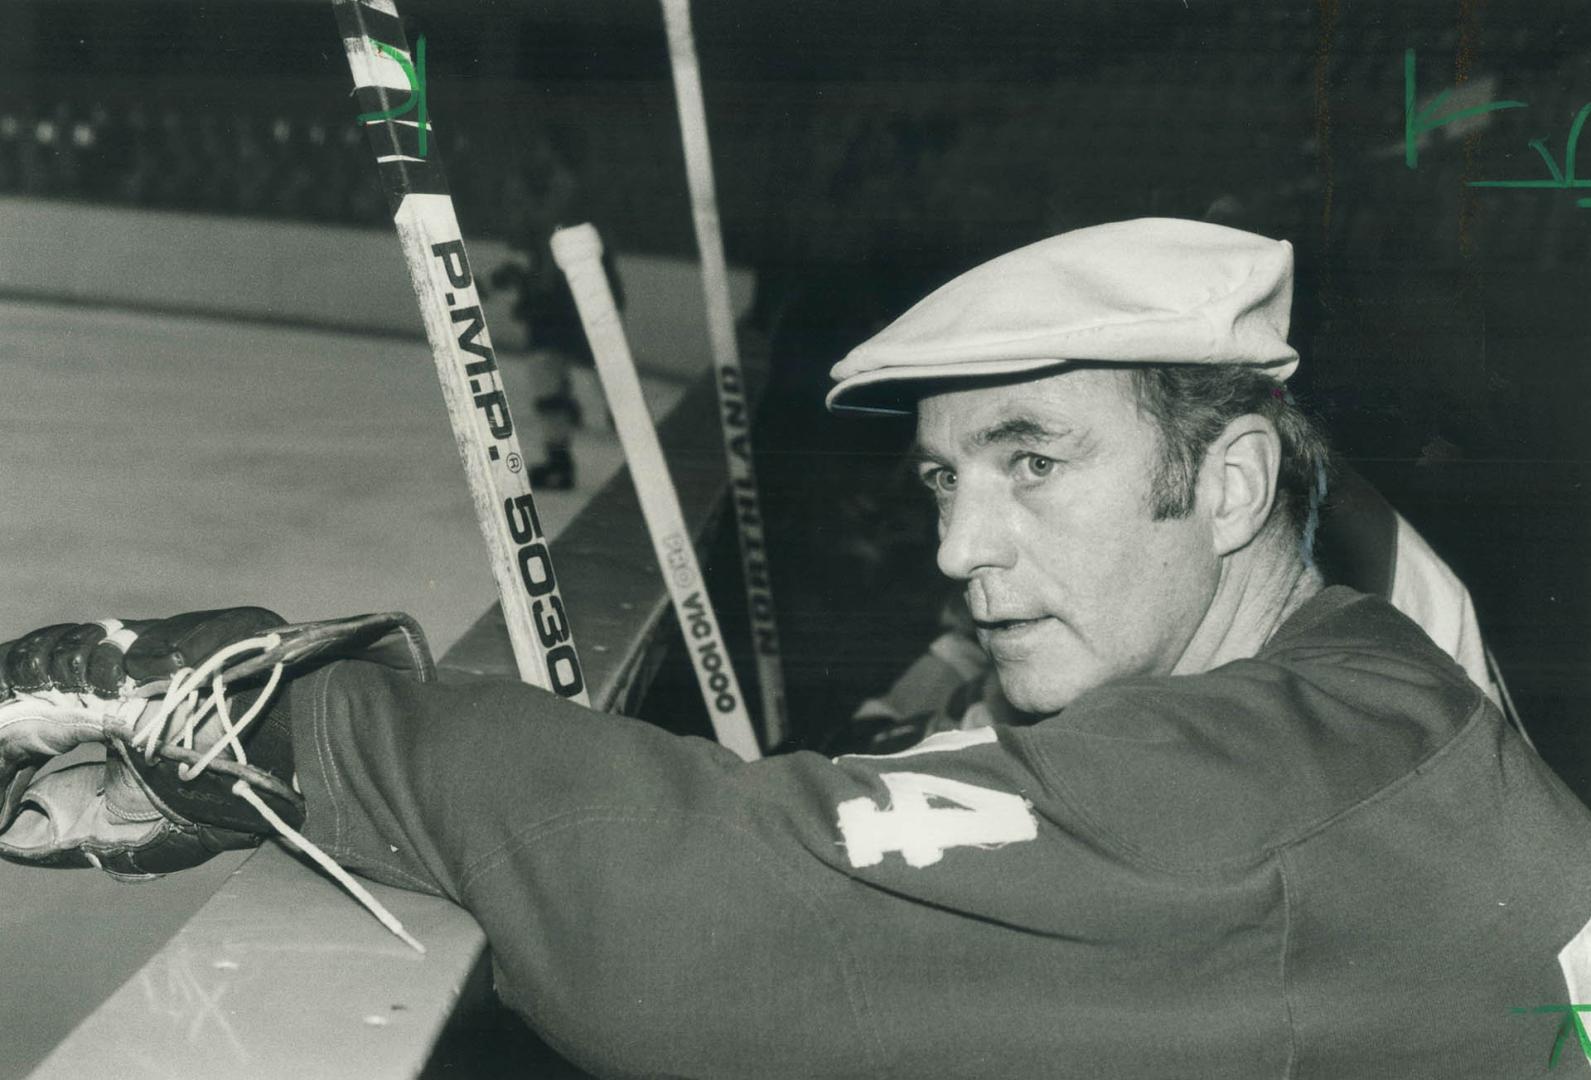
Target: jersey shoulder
(1198,770)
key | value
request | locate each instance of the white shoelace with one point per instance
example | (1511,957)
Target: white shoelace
(174,722)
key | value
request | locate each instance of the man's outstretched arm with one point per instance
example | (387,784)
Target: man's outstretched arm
(656,905)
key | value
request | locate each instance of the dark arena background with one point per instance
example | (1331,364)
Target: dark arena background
(217,390)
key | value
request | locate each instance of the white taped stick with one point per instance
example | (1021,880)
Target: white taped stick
(389,83)
(578,251)
(732,408)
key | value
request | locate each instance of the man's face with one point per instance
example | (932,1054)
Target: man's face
(1044,501)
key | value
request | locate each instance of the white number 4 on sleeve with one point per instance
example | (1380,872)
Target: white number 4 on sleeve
(921,831)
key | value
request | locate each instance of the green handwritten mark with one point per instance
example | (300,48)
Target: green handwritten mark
(1571,1024)
(415,73)
(1562,177)
(1417,123)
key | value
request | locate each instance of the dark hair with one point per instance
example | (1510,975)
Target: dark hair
(1191,404)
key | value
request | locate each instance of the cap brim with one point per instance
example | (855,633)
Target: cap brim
(894,391)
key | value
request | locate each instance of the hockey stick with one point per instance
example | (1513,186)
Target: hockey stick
(389,86)
(579,254)
(726,356)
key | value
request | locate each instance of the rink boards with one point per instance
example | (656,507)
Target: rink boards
(263,968)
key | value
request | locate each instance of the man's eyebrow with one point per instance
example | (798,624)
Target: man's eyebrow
(918,455)
(1023,430)
(1017,429)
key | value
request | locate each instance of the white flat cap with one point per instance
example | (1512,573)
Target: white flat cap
(1149,291)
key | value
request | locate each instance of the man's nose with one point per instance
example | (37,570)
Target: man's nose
(974,535)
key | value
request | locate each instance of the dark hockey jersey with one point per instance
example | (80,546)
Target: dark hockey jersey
(1331,860)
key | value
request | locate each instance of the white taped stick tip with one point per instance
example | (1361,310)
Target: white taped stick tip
(575,245)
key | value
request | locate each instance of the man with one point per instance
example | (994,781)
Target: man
(1267,828)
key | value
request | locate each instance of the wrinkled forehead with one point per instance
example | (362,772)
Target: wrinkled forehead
(969,414)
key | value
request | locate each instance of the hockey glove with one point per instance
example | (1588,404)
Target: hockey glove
(193,713)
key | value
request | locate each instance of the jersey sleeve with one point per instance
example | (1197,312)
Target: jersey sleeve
(651,900)
(656,906)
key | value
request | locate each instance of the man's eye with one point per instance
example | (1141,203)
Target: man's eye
(939,479)
(1038,464)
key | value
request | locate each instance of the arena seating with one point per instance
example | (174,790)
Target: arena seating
(1257,103)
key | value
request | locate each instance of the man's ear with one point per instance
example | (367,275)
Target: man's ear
(1238,481)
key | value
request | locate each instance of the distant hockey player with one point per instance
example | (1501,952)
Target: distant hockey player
(537,199)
